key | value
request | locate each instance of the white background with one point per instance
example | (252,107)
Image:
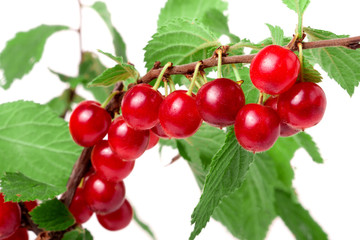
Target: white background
(164,196)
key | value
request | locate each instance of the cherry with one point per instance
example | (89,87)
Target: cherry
(257,127)
(108,165)
(79,208)
(153,140)
(178,115)
(285,129)
(20,234)
(89,123)
(103,196)
(117,220)
(303,105)
(219,101)
(10,217)
(140,106)
(127,142)
(274,69)
(159,131)
(30,205)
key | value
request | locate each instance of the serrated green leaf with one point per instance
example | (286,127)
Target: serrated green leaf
(341,64)
(180,41)
(143,225)
(277,34)
(248,212)
(18,187)
(78,234)
(310,74)
(299,6)
(23,51)
(227,173)
(188,9)
(119,44)
(35,142)
(52,215)
(297,219)
(305,140)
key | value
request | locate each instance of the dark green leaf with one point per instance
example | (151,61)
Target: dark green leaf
(52,215)
(341,64)
(78,234)
(119,44)
(23,51)
(17,187)
(143,225)
(297,219)
(299,6)
(227,173)
(35,142)
(277,34)
(188,9)
(248,212)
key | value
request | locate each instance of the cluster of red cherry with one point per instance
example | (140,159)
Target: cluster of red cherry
(10,220)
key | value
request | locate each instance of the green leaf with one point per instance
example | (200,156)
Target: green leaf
(277,34)
(188,9)
(248,212)
(341,64)
(52,215)
(78,234)
(180,41)
(305,140)
(17,187)
(297,219)
(121,72)
(227,173)
(61,103)
(35,142)
(310,73)
(119,44)
(23,51)
(299,6)
(143,225)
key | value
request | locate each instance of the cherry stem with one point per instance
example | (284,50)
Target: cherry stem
(193,80)
(158,81)
(166,88)
(197,84)
(301,59)
(236,72)
(203,77)
(108,99)
(219,53)
(171,84)
(261,98)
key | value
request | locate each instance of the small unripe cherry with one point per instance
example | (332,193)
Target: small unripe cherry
(118,219)
(108,165)
(10,217)
(79,208)
(89,123)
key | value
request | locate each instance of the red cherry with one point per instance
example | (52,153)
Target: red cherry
(179,116)
(285,129)
(140,106)
(303,105)
(10,217)
(79,208)
(20,234)
(108,165)
(89,123)
(219,101)
(30,205)
(257,127)
(153,140)
(159,131)
(127,142)
(274,69)
(103,196)
(117,220)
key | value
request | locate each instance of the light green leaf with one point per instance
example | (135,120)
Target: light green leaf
(23,51)
(78,234)
(17,187)
(299,6)
(277,34)
(341,64)
(227,173)
(52,215)
(248,212)
(305,140)
(119,44)
(35,142)
(62,103)
(297,219)
(310,73)
(143,225)
(188,9)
